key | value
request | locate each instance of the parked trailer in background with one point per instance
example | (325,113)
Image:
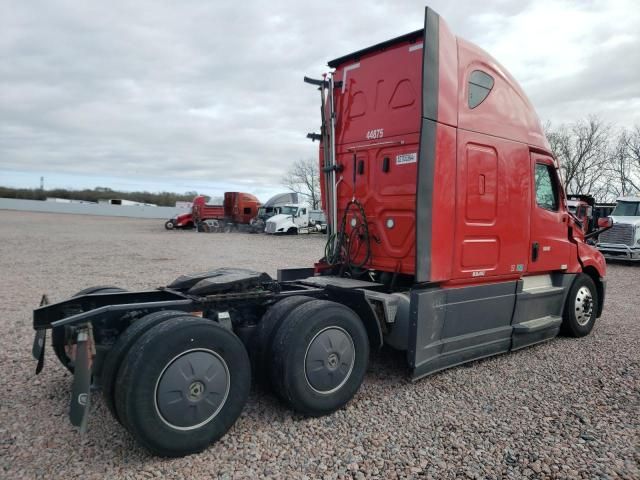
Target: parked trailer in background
(450,240)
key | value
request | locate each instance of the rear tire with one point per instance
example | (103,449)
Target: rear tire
(262,352)
(321,352)
(58,334)
(182,385)
(120,349)
(580,308)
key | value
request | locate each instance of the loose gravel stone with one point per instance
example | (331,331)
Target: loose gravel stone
(568,408)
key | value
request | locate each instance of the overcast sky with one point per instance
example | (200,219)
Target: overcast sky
(208,96)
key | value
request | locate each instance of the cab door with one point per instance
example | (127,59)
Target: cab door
(302,219)
(550,248)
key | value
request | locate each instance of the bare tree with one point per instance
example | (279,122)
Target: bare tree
(633,152)
(303,177)
(622,167)
(582,148)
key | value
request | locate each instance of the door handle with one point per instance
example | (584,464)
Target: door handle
(535,249)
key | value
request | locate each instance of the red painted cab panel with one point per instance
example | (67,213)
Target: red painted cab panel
(443,149)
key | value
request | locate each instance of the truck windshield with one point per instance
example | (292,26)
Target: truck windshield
(287,210)
(627,209)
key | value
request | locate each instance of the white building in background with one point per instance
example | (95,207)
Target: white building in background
(122,201)
(185,205)
(67,200)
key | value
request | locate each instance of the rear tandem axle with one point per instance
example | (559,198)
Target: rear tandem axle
(175,364)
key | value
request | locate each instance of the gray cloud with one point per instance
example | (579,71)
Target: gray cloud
(200,92)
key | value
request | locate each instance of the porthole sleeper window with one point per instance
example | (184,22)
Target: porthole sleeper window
(480,85)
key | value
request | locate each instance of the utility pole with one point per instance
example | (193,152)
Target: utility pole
(41,183)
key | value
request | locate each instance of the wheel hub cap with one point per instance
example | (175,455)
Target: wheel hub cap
(329,360)
(583,306)
(333,361)
(192,389)
(196,389)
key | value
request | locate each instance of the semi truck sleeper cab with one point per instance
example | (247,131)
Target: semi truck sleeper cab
(449,239)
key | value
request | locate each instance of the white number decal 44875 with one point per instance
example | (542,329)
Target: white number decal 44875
(375,133)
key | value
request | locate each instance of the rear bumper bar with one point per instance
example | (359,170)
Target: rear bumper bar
(86,308)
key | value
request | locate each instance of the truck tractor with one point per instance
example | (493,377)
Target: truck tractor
(182,221)
(269,209)
(581,207)
(622,240)
(318,219)
(449,240)
(238,208)
(292,220)
(200,207)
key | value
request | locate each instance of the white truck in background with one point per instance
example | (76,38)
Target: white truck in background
(622,240)
(296,218)
(269,209)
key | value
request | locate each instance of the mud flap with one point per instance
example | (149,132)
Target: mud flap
(80,394)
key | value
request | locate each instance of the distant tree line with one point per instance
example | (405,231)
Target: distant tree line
(596,158)
(163,199)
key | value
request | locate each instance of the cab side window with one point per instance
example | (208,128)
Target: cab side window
(546,187)
(480,85)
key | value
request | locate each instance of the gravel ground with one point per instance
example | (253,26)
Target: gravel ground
(569,408)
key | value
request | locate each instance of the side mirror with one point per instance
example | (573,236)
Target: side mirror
(605,222)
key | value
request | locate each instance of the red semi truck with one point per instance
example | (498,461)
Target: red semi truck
(185,220)
(237,208)
(449,240)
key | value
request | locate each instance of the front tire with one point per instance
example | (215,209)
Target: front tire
(169,225)
(182,385)
(320,356)
(580,308)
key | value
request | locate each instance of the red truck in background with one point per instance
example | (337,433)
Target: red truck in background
(185,220)
(237,208)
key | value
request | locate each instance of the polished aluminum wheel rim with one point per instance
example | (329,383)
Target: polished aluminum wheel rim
(583,306)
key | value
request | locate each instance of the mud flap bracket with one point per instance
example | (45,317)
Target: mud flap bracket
(81,390)
(39,341)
